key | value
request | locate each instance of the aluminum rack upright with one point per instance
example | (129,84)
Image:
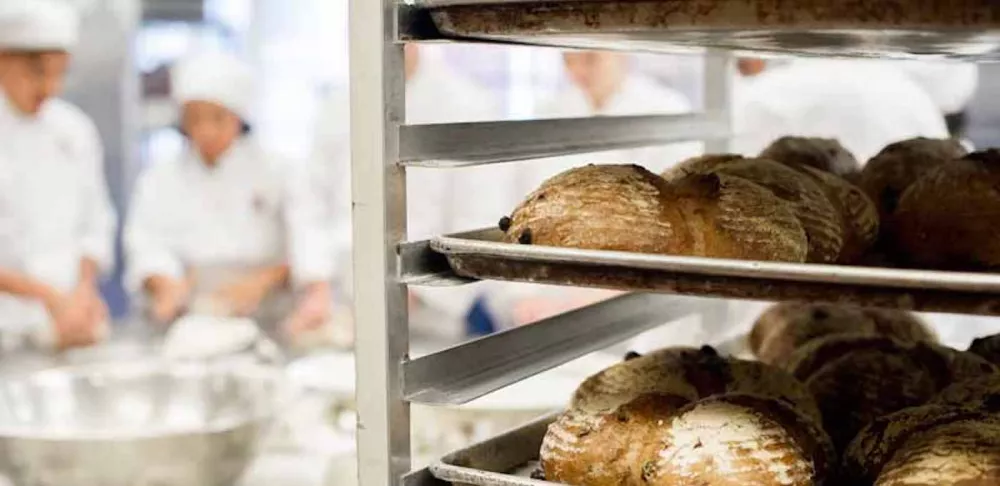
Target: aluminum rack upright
(383,146)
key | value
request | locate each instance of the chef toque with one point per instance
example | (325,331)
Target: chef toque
(215,77)
(38,25)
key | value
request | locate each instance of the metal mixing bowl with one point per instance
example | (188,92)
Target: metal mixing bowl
(135,424)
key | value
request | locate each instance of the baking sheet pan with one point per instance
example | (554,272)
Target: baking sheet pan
(505,460)
(481,255)
(867,28)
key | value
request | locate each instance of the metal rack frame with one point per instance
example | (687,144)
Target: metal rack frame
(382,146)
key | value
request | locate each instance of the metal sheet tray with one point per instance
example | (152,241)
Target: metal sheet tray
(953,28)
(505,460)
(481,255)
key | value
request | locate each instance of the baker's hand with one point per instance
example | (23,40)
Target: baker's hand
(242,298)
(311,312)
(71,320)
(169,299)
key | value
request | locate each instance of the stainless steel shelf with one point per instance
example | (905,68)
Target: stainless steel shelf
(464,144)
(866,28)
(481,255)
(471,370)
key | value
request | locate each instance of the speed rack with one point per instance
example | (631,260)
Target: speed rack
(383,147)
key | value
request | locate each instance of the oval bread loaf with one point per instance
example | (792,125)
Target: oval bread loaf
(856,379)
(817,215)
(950,217)
(859,216)
(785,327)
(613,431)
(826,154)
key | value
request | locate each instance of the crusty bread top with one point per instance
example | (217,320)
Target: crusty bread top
(811,205)
(826,154)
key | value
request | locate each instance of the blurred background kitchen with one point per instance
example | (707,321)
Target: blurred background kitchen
(120,76)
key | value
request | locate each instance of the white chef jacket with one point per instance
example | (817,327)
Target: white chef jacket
(54,205)
(638,95)
(186,215)
(439,200)
(865,104)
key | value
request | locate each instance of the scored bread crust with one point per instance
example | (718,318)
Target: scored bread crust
(826,154)
(890,172)
(878,443)
(962,453)
(817,215)
(859,216)
(856,379)
(740,439)
(787,326)
(601,207)
(616,419)
(950,217)
(731,217)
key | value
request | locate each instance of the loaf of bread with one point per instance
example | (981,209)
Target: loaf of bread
(627,208)
(950,217)
(927,445)
(783,328)
(988,347)
(603,207)
(859,216)
(898,165)
(980,392)
(740,439)
(620,418)
(826,154)
(817,215)
(856,379)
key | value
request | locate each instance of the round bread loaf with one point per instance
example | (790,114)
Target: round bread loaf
(900,164)
(950,217)
(820,220)
(988,347)
(859,216)
(826,154)
(981,391)
(731,217)
(856,379)
(618,417)
(785,327)
(603,207)
(740,439)
(892,449)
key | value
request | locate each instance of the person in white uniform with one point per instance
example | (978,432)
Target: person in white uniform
(865,104)
(207,233)
(440,201)
(56,220)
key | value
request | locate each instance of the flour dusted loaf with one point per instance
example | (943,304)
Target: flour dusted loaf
(785,327)
(826,154)
(950,217)
(740,439)
(819,219)
(856,379)
(927,445)
(624,423)
(887,175)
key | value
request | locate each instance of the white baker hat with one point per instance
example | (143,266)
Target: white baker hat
(214,77)
(951,85)
(38,25)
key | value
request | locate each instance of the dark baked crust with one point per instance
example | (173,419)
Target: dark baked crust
(785,327)
(950,217)
(826,154)
(857,379)
(887,175)
(859,216)
(988,347)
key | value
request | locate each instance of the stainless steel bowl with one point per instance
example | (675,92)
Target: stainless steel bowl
(135,424)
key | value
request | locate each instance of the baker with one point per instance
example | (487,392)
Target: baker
(56,221)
